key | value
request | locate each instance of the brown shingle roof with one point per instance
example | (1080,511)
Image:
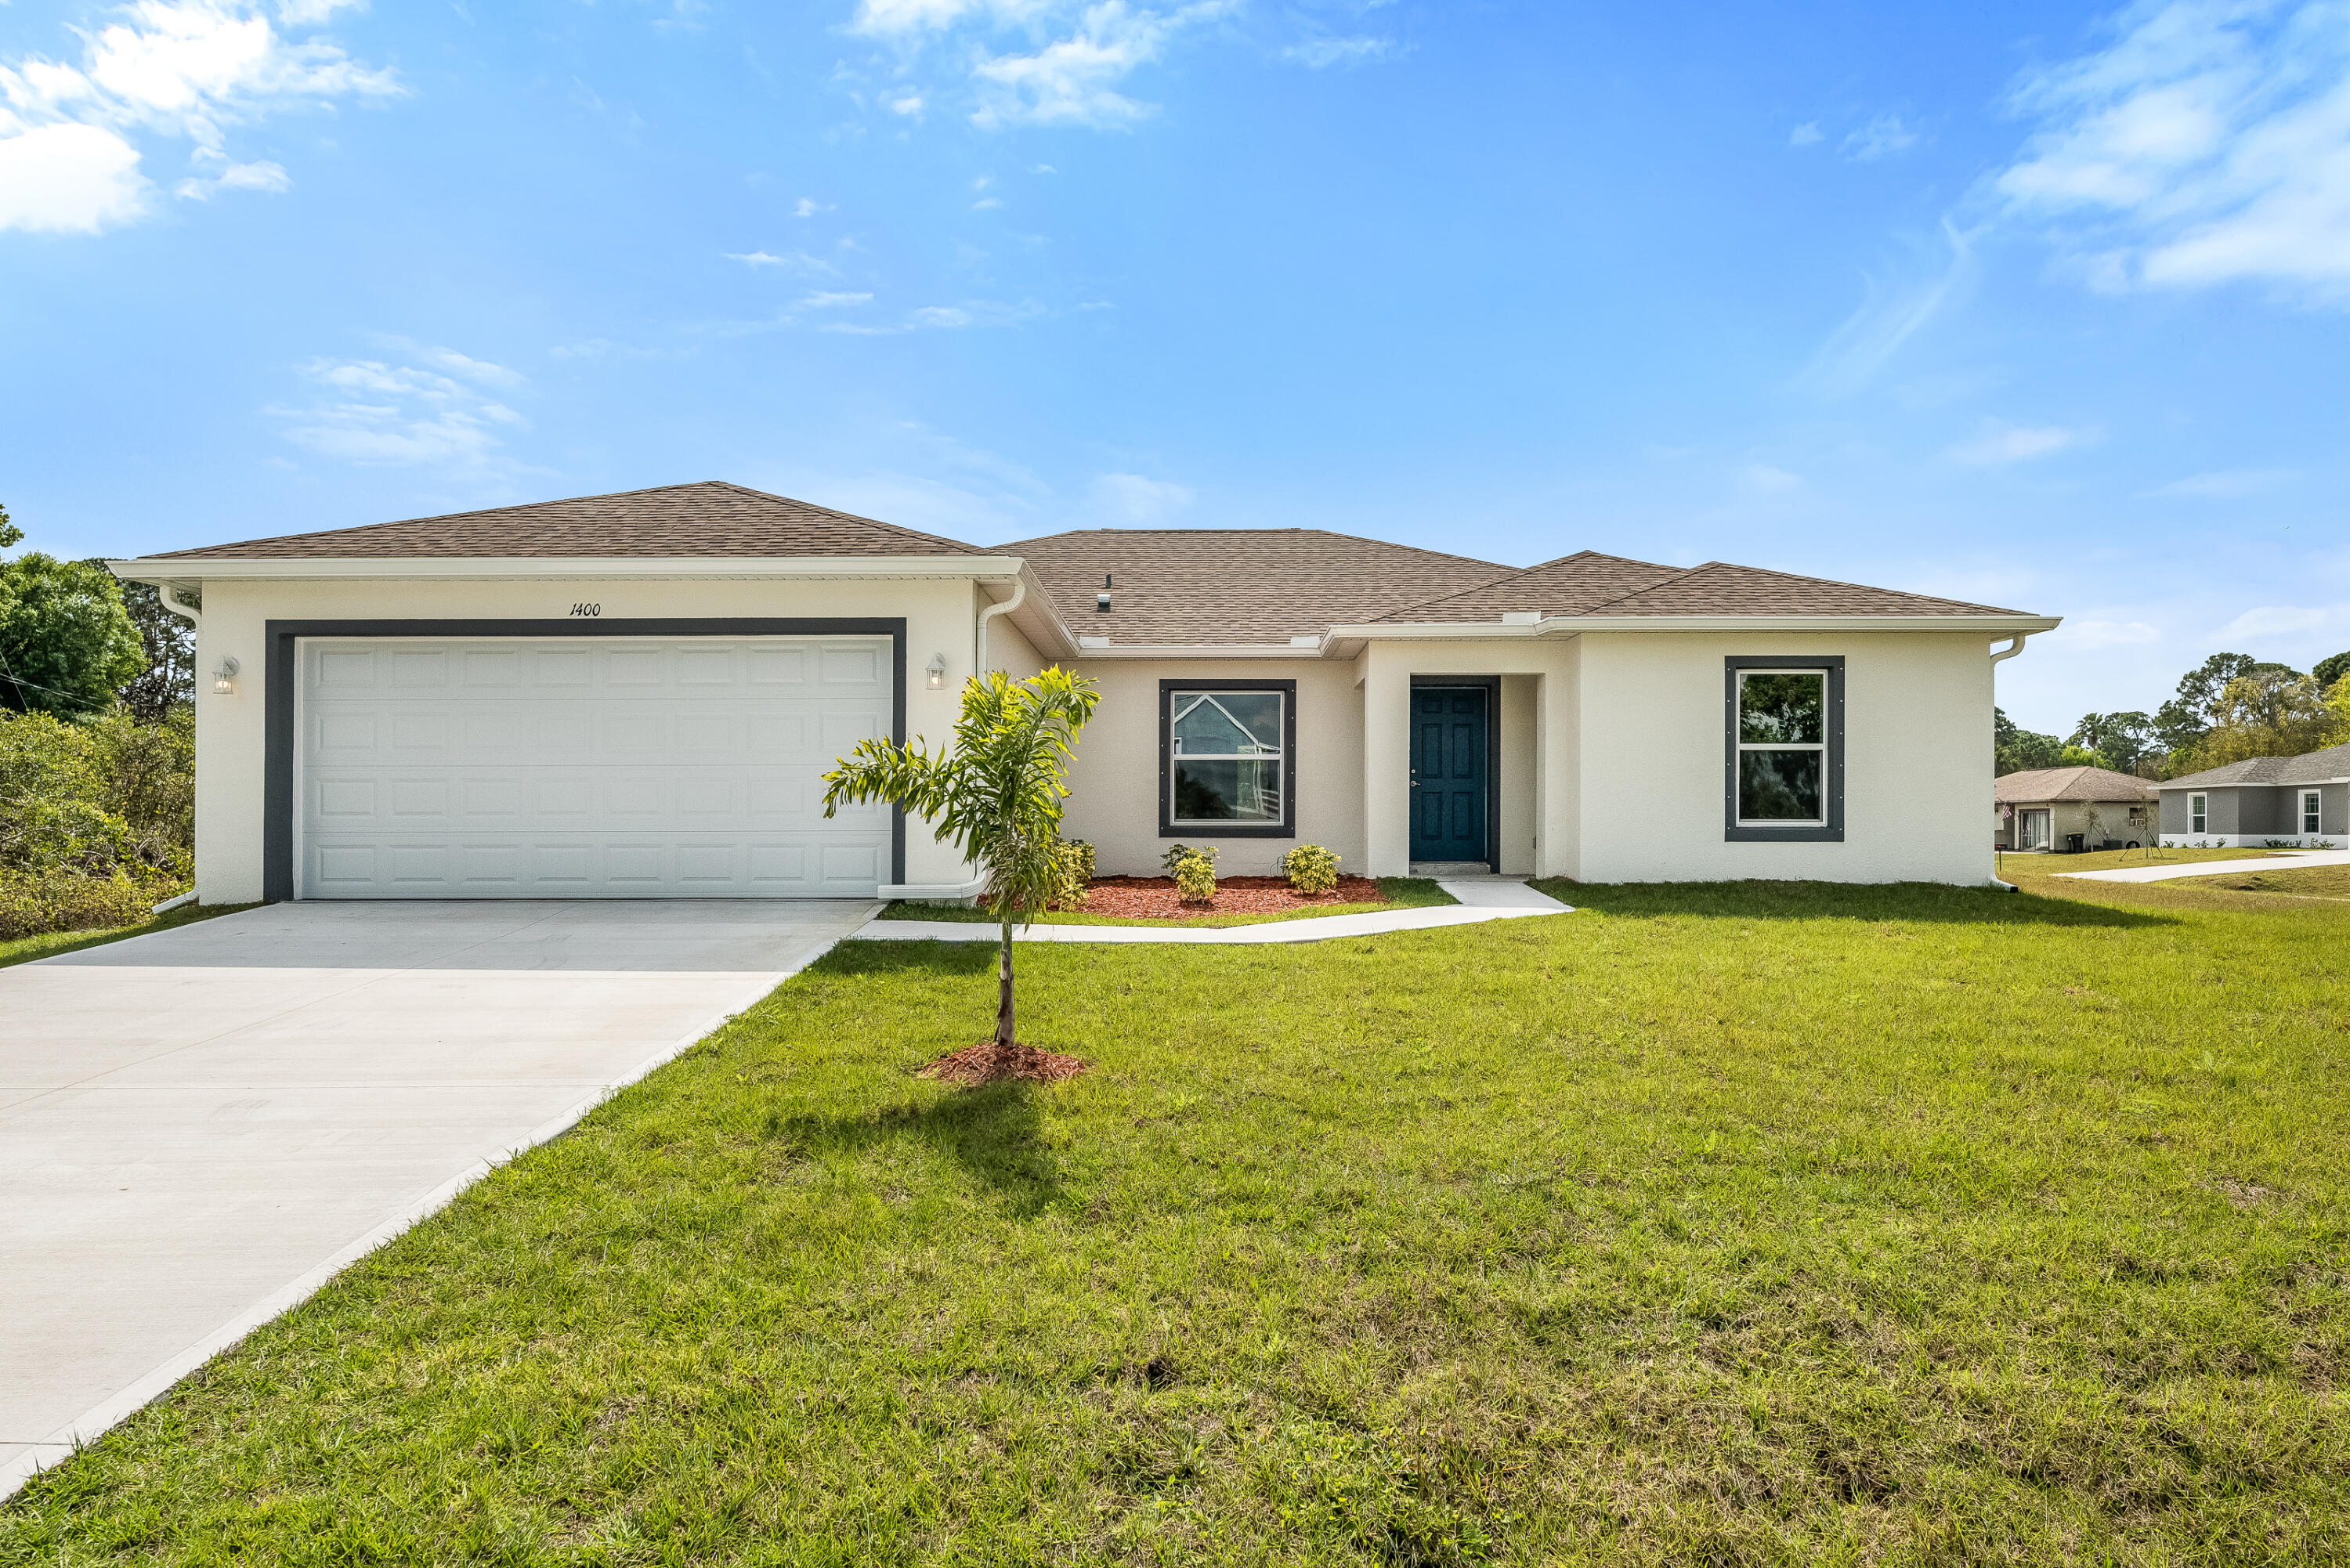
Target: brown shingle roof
(2034,785)
(1218,586)
(1720,588)
(712,518)
(1565,586)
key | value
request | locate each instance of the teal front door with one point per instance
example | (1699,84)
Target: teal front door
(1448,772)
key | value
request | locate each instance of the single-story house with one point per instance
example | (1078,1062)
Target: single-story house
(2044,808)
(2304,801)
(636,695)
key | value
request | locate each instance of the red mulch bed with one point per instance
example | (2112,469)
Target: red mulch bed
(1131,896)
(987,1063)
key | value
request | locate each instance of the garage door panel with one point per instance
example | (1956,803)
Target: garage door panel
(637,769)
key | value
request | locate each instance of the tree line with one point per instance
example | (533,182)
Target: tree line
(2230,707)
(76,643)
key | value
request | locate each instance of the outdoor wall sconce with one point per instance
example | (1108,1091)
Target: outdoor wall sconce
(224,678)
(937,673)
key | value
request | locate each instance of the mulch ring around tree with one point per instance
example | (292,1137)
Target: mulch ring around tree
(1138,896)
(988,1062)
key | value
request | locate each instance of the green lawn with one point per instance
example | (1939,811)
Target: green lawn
(2036,865)
(1757,1223)
(2306,881)
(23,950)
(1399,893)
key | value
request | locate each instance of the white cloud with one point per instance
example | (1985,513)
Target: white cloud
(1881,138)
(809,207)
(827,300)
(188,70)
(2089,634)
(2273,620)
(68,178)
(940,317)
(797,261)
(1807,134)
(1764,480)
(2000,444)
(1893,308)
(1073,77)
(1320,53)
(2207,143)
(270,177)
(2225,486)
(385,412)
(1135,501)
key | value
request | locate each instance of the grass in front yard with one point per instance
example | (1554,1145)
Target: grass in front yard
(1765,1222)
(2038,865)
(2306,882)
(49,944)
(1398,893)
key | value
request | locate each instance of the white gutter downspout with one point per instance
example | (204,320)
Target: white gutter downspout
(979,628)
(2014,647)
(168,598)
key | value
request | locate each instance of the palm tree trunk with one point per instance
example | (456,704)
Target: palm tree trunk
(1004,1036)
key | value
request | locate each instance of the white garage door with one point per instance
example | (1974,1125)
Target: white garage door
(587,767)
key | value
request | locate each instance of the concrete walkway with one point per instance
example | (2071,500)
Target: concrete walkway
(199,1128)
(1481,899)
(2283,860)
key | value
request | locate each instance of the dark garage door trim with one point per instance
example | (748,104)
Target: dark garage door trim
(280,637)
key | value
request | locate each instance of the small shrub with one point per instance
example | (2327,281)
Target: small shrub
(32,902)
(1175,855)
(1195,875)
(1311,868)
(1075,859)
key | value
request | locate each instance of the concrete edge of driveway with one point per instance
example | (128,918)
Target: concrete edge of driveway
(92,1423)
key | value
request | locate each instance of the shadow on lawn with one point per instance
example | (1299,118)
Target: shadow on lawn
(992,1131)
(1845,900)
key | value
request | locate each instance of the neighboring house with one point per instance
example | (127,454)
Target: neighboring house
(2044,808)
(2303,800)
(637,695)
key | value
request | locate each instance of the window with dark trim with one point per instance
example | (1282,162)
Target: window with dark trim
(1227,759)
(1782,749)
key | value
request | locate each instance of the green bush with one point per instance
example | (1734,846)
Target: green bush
(1311,868)
(97,819)
(1195,875)
(1074,871)
(32,902)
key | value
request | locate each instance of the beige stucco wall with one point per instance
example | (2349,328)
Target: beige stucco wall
(230,730)
(1917,759)
(1114,781)
(1538,744)
(2073,816)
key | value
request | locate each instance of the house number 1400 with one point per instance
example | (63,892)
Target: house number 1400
(587,609)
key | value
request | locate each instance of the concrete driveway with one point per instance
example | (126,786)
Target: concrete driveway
(198,1127)
(2281,862)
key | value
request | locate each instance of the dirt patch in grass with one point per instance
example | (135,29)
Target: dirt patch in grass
(1159,897)
(989,1062)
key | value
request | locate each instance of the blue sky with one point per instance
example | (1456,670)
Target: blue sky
(2037,305)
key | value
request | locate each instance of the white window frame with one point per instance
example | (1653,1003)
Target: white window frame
(2313,810)
(2199,812)
(2025,820)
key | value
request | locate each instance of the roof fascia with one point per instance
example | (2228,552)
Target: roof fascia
(1087,652)
(153,568)
(1569,626)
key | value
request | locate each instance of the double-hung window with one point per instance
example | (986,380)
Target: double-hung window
(1226,763)
(2199,812)
(1783,749)
(2310,802)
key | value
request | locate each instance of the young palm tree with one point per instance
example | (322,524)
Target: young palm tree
(995,795)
